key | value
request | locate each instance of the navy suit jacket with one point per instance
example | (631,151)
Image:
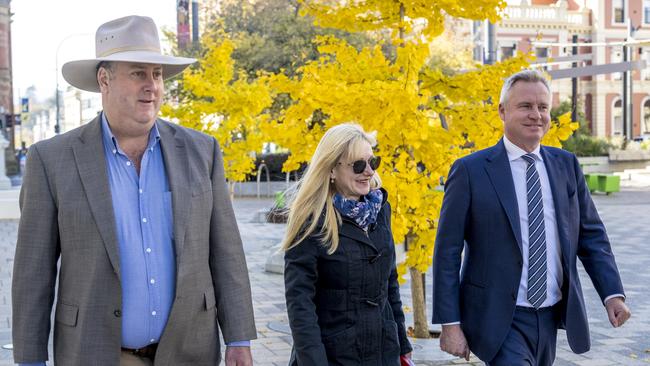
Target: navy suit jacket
(479,214)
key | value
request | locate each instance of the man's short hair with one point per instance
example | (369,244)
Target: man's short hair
(529,76)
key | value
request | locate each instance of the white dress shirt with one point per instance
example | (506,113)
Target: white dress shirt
(554,274)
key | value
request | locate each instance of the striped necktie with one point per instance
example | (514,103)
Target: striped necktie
(536,236)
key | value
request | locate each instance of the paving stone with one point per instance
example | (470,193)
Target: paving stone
(626,217)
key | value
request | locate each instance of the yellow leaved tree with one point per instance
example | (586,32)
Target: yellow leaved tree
(425,118)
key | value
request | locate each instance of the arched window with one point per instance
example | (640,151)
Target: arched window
(617,118)
(645,117)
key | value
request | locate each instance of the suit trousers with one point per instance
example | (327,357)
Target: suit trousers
(531,340)
(129,359)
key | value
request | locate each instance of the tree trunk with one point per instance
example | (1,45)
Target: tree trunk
(420,323)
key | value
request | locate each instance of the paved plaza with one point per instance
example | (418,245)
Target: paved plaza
(626,215)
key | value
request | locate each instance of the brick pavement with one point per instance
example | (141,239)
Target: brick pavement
(626,216)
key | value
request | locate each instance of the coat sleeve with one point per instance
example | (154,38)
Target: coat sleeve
(449,245)
(393,294)
(594,249)
(35,264)
(300,281)
(228,262)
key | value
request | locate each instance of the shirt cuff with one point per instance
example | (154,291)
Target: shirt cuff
(613,296)
(452,323)
(239,344)
(33,364)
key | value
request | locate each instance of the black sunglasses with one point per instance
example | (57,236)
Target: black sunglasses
(360,165)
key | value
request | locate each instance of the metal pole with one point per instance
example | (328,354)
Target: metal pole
(492,53)
(627,88)
(195,21)
(574,84)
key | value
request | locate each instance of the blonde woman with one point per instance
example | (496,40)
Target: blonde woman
(340,276)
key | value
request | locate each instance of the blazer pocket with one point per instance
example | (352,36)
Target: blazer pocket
(66,314)
(210,301)
(201,187)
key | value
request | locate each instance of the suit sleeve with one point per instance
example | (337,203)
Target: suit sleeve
(228,262)
(594,249)
(300,279)
(449,245)
(35,264)
(393,294)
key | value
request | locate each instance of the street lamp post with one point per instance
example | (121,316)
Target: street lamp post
(57,126)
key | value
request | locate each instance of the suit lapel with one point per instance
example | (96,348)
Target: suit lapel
(88,153)
(178,172)
(557,179)
(498,169)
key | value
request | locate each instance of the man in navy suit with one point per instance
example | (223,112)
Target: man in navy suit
(523,216)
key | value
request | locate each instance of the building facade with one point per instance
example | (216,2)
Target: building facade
(600,22)
(6,84)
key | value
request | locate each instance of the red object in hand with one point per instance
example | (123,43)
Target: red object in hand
(405,361)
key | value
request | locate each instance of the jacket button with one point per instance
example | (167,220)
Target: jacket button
(117,313)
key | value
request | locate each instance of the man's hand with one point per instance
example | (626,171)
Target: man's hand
(452,340)
(239,356)
(617,311)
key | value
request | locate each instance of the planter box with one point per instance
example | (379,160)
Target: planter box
(609,183)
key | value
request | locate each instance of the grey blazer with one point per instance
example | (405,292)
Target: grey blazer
(67,215)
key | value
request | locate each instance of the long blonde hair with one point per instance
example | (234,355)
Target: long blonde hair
(314,192)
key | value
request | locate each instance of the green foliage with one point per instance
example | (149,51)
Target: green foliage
(581,143)
(585,145)
(271,36)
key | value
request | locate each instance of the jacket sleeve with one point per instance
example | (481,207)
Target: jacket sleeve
(300,280)
(228,262)
(35,264)
(394,298)
(449,245)
(594,249)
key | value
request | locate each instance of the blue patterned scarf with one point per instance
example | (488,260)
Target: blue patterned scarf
(363,212)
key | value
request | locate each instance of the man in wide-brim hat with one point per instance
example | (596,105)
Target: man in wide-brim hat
(137,211)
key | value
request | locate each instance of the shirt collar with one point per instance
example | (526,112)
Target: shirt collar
(515,152)
(111,142)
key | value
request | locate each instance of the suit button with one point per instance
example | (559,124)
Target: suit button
(117,313)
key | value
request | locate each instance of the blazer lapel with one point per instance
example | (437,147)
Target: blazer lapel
(89,156)
(557,179)
(178,172)
(498,169)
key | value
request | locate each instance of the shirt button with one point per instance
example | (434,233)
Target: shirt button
(128,163)
(114,151)
(117,313)
(152,281)
(144,219)
(153,313)
(140,190)
(148,250)
(152,340)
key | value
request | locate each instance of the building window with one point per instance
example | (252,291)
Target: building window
(541,52)
(617,118)
(645,127)
(507,52)
(646,11)
(618,11)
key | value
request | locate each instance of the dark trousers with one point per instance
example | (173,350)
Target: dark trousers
(531,340)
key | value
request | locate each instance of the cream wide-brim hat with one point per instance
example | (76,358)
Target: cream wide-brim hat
(129,39)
